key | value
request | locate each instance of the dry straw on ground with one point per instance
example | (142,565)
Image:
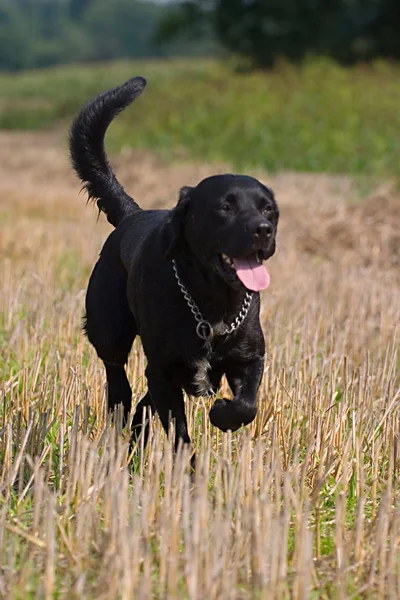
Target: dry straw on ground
(303,504)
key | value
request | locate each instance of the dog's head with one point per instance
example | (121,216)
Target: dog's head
(229,223)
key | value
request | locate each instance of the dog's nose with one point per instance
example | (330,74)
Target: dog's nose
(264,230)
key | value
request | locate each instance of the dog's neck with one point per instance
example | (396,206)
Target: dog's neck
(217,300)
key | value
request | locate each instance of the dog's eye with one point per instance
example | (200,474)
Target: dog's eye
(267,210)
(226,207)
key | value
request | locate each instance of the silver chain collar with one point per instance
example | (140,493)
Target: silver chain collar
(204,329)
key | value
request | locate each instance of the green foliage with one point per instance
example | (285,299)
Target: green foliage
(264,31)
(120,28)
(14,38)
(320,117)
(39,33)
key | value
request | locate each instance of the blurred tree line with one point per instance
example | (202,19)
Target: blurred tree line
(39,33)
(264,31)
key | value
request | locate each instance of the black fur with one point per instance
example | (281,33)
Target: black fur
(133,290)
(88,155)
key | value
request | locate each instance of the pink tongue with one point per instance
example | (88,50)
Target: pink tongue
(253,275)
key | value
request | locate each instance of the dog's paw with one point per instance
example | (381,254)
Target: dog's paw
(231,414)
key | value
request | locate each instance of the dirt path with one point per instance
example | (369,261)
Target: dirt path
(36,165)
(320,213)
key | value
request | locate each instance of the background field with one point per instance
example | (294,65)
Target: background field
(302,504)
(320,117)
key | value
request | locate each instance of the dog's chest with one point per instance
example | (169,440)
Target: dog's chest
(202,366)
(201,380)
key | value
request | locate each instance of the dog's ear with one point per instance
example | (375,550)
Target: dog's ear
(175,225)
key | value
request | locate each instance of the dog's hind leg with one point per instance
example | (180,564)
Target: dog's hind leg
(142,413)
(118,389)
(111,328)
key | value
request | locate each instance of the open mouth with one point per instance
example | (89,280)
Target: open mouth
(249,269)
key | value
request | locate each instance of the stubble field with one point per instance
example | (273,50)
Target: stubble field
(302,504)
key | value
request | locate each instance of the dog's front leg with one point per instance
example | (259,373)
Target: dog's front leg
(244,380)
(167,398)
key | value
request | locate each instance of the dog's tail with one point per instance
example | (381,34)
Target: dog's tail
(88,155)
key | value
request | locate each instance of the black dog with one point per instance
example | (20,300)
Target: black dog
(185,280)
